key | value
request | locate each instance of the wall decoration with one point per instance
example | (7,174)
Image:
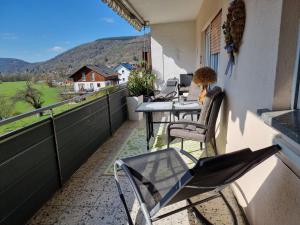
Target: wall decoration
(233,29)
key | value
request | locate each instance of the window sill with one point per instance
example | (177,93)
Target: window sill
(286,122)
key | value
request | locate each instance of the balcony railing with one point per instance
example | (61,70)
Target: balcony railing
(35,161)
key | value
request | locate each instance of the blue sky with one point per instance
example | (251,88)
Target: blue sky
(37,30)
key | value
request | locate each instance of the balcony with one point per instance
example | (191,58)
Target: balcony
(63,169)
(90,196)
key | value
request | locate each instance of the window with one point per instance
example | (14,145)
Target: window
(213,42)
(123,79)
(81,87)
(91,86)
(83,76)
(123,71)
(93,76)
(98,85)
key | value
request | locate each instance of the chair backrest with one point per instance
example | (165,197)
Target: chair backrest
(213,172)
(211,106)
(170,86)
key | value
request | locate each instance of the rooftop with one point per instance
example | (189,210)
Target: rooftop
(101,69)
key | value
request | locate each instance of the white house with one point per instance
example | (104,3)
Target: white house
(93,78)
(123,70)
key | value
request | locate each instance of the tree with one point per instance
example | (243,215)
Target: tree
(6,107)
(30,95)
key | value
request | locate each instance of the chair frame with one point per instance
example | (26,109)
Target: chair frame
(151,216)
(209,129)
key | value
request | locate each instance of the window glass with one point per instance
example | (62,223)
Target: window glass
(83,76)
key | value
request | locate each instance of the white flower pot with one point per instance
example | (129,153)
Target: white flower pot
(132,103)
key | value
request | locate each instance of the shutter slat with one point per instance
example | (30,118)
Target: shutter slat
(215,34)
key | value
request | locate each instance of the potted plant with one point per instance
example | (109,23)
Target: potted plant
(140,85)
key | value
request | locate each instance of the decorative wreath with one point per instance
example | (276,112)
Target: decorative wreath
(233,29)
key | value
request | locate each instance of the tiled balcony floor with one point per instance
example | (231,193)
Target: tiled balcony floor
(90,197)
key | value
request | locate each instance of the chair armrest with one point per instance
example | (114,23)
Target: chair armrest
(121,165)
(196,124)
(185,153)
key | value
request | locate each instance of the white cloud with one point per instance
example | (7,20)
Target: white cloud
(107,19)
(8,36)
(56,49)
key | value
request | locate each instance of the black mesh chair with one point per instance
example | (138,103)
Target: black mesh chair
(162,178)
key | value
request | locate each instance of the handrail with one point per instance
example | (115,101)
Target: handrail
(55,105)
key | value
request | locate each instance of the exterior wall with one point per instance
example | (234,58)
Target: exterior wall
(270,193)
(173,49)
(87,85)
(77,77)
(124,74)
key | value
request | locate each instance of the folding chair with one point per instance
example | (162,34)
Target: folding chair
(162,178)
(168,92)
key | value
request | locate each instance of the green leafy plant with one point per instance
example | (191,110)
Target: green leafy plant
(141,81)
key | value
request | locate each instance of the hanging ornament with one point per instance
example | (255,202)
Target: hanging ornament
(233,29)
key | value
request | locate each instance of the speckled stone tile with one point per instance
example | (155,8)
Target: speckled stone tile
(90,196)
(60,215)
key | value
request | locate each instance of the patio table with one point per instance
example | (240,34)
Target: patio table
(172,107)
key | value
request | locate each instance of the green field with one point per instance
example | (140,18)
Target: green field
(50,95)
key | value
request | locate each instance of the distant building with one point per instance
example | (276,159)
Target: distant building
(93,78)
(124,70)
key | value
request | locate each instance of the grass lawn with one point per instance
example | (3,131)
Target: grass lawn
(50,95)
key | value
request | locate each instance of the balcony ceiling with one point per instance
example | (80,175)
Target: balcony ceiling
(165,11)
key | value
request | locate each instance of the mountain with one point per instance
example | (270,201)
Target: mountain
(107,51)
(9,65)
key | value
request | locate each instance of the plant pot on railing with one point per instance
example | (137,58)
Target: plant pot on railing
(132,103)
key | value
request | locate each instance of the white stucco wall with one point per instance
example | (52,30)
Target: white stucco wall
(262,78)
(173,49)
(269,193)
(87,85)
(123,74)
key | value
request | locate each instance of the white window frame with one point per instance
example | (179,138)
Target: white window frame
(207,46)
(295,104)
(93,76)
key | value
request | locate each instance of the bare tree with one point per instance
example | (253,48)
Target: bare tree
(30,95)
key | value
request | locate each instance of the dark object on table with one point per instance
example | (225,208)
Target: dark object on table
(202,130)
(185,83)
(162,178)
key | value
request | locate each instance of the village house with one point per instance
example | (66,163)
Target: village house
(123,69)
(93,78)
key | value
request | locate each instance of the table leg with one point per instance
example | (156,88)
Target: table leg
(152,130)
(147,129)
